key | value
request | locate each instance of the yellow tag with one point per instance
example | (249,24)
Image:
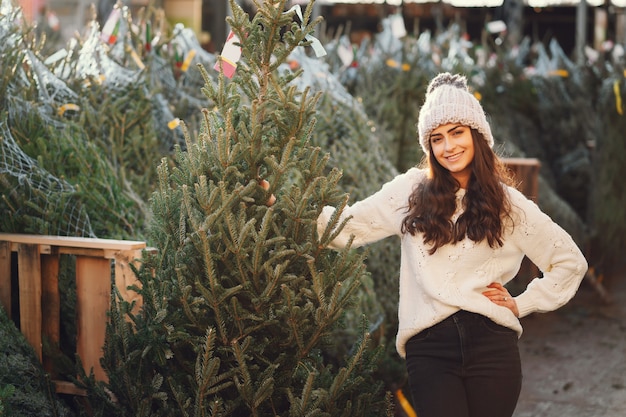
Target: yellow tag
(391,63)
(618,98)
(136,58)
(66,107)
(173,124)
(406,67)
(188,60)
(560,73)
(478,95)
(405,404)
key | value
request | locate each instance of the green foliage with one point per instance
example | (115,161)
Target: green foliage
(609,218)
(80,133)
(60,170)
(5,393)
(102,189)
(352,138)
(241,302)
(392,90)
(25,390)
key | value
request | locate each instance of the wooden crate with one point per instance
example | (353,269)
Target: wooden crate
(526,173)
(39,298)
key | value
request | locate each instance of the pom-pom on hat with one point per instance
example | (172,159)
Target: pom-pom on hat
(449,101)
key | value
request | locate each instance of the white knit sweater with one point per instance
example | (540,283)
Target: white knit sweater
(432,287)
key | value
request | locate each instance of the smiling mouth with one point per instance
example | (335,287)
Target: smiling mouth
(454,157)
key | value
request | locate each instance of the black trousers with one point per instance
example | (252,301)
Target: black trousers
(464,366)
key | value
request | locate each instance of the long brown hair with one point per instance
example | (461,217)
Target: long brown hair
(432,204)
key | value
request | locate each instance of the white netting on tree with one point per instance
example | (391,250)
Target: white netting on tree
(43,193)
(31,195)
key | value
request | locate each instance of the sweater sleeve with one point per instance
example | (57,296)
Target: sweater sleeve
(553,251)
(376,217)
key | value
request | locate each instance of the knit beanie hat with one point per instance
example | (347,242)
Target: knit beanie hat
(449,101)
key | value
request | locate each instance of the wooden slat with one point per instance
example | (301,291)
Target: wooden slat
(93,293)
(5,277)
(29,272)
(50,304)
(526,173)
(76,242)
(522,161)
(74,250)
(92,252)
(65,387)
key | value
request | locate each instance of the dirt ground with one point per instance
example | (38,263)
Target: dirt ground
(574,359)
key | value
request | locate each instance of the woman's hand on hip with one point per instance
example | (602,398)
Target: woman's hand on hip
(500,296)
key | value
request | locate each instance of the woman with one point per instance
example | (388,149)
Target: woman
(464,233)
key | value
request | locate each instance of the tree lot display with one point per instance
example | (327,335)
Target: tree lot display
(91,168)
(240,301)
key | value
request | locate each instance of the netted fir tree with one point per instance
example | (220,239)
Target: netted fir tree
(241,296)
(353,140)
(608,218)
(389,75)
(510,98)
(78,139)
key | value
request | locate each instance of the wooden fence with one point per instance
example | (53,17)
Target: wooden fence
(526,173)
(99,263)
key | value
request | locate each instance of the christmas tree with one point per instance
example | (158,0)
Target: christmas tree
(241,299)
(354,142)
(608,218)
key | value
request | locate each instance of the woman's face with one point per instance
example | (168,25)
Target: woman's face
(453,147)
